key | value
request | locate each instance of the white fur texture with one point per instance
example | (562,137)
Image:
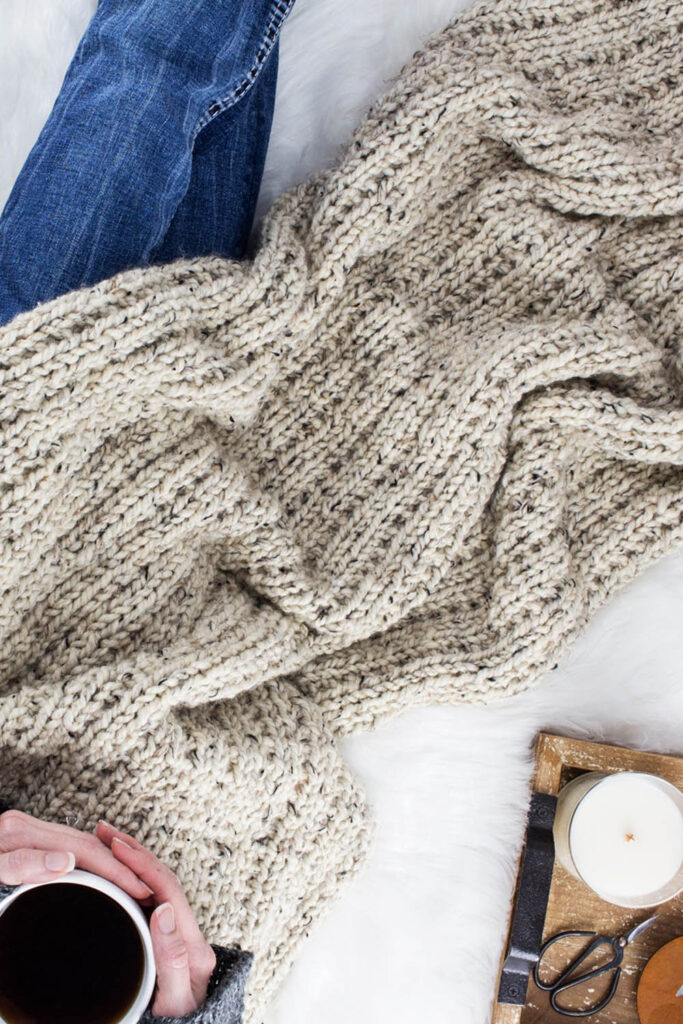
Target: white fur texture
(417,936)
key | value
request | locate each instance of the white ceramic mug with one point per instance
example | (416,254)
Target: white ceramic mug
(103,885)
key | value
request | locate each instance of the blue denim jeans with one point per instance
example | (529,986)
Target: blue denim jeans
(153,150)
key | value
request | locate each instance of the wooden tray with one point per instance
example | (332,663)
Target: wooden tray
(571,905)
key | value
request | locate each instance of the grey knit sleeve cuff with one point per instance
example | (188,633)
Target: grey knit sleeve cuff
(224,1003)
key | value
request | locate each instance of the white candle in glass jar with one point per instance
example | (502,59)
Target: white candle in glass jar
(622,835)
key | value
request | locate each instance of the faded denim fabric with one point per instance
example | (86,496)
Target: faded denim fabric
(153,150)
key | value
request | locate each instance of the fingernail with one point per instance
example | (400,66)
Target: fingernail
(106,824)
(150,892)
(123,843)
(166,918)
(57,861)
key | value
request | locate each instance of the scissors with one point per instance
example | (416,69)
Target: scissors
(567,979)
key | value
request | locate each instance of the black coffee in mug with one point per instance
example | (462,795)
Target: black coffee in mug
(69,954)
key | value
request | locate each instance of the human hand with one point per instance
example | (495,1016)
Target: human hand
(32,850)
(184,959)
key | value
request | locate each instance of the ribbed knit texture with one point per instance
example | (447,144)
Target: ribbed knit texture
(224,1001)
(398,458)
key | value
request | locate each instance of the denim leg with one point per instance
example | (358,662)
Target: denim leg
(217,211)
(148,93)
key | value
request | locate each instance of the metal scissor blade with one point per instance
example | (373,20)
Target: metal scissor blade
(639,929)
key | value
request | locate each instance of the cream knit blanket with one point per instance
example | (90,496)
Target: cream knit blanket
(398,458)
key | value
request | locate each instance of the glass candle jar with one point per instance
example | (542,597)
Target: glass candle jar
(622,835)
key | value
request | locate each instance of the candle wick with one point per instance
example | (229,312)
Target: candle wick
(630,837)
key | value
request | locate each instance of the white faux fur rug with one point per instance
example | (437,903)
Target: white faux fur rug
(416,938)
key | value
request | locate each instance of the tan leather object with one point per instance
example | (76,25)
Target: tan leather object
(660,990)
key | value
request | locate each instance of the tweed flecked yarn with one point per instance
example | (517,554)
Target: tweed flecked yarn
(400,457)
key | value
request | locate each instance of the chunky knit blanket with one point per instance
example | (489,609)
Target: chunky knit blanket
(398,457)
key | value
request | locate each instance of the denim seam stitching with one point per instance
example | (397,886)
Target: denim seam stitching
(280,10)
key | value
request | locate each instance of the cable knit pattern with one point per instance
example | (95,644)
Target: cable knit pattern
(399,457)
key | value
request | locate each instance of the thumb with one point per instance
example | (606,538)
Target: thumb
(174,990)
(26,865)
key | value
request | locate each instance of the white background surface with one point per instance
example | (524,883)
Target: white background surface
(416,937)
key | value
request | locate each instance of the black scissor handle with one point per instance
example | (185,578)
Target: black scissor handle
(567,980)
(590,1010)
(548,987)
